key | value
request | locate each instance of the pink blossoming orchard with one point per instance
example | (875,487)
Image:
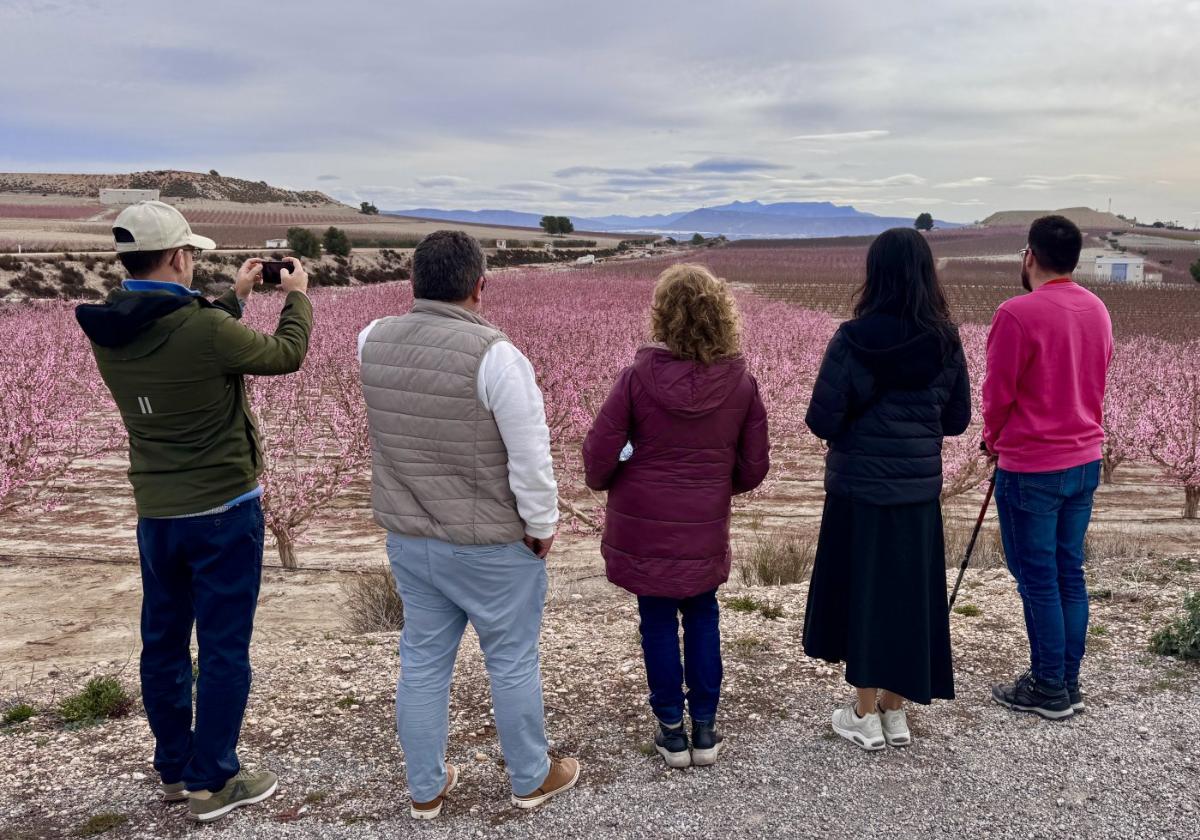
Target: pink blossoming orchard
(579,328)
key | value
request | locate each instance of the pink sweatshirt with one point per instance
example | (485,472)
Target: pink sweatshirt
(1047,361)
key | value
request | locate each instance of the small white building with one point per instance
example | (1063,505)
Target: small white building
(1121,268)
(276,243)
(501,244)
(117,197)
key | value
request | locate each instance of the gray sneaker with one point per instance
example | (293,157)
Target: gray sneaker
(246,788)
(175,792)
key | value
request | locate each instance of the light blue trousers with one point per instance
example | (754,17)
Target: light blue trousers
(501,590)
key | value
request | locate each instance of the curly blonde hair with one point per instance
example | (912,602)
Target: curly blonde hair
(695,315)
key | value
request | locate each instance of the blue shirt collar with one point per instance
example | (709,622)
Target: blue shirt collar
(159,286)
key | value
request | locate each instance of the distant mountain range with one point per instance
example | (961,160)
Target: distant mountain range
(737,220)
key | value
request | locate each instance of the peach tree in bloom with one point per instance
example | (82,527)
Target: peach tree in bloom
(54,410)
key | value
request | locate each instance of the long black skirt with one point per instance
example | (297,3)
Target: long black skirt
(877,600)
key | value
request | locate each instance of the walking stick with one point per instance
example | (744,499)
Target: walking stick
(962,569)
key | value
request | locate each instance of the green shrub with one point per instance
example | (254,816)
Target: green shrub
(100,824)
(101,698)
(18,713)
(337,242)
(1181,638)
(303,242)
(743,604)
(969,610)
(770,611)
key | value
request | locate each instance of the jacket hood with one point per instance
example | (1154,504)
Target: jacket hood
(687,388)
(133,324)
(898,354)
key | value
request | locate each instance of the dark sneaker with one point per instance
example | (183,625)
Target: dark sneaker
(1076,697)
(1027,695)
(174,792)
(564,773)
(246,788)
(672,744)
(431,809)
(706,743)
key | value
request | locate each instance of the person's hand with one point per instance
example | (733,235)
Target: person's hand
(248,276)
(993,458)
(540,545)
(295,280)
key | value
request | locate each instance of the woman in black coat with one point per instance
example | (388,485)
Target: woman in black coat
(893,382)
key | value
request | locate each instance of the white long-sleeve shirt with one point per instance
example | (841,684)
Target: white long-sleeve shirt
(507,387)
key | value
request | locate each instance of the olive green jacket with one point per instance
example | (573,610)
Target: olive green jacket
(174,365)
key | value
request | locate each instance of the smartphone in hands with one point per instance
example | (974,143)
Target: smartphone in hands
(271,269)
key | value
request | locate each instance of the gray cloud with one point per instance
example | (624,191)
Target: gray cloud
(780,100)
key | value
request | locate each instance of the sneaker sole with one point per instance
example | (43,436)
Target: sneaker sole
(1047,714)
(708,757)
(675,760)
(898,740)
(220,812)
(434,813)
(859,740)
(526,802)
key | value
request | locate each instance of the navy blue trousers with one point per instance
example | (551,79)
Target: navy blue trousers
(701,666)
(203,571)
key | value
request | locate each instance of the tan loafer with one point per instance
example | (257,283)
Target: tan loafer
(431,809)
(564,773)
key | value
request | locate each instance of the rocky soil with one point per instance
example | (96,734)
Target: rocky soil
(321,715)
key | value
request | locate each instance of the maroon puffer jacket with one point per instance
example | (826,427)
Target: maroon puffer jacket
(699,435)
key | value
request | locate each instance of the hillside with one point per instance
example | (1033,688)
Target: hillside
(1085,217)
(172,183)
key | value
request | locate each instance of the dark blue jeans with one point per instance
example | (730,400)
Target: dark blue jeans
(203,570)
(1043,522)
(701,655)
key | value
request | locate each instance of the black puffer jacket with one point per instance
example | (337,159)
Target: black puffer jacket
(885,397)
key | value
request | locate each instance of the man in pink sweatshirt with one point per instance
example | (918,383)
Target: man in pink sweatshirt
(1043,398)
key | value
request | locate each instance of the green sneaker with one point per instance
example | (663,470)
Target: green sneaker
(174,792)
(246,788)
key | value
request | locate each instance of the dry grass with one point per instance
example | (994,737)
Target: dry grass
(777,558)
(372,603)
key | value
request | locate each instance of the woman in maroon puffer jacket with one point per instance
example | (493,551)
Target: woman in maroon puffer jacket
(683,430)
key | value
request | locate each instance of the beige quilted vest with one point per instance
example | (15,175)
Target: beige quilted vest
(439,466)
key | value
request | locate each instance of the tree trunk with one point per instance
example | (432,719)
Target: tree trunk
(1191,502)
(1108,467)
(287,549)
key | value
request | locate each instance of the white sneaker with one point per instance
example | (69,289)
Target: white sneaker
(895,727)
(867,731)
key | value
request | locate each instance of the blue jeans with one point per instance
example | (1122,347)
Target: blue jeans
(701,666)
(206,571)
(501,591)
(1043,522)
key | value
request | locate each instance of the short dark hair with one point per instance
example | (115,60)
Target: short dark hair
(446,266)
(1056,243)
(141,263)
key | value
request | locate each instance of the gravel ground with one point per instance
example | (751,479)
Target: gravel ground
(321,716)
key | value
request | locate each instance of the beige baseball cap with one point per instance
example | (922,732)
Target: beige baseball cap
(155,226)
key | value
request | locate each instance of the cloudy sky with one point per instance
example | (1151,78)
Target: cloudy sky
(960,107)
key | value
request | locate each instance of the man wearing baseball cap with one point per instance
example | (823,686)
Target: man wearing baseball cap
(174,363)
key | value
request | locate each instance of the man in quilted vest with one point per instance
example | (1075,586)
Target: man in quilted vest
(463,482)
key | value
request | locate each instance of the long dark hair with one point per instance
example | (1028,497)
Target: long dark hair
(902,281)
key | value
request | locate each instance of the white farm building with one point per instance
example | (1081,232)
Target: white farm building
(276,243)
(108,196)
(1121,268)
